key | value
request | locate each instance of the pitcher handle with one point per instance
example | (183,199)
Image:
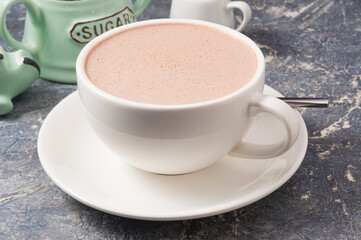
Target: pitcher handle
(246,11)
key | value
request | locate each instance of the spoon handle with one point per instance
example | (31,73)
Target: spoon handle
(306,102)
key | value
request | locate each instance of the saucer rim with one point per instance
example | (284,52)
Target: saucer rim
(176,215)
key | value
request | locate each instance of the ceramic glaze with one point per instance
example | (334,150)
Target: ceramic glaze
(176,139)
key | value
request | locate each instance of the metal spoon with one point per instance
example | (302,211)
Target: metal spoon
(306,102)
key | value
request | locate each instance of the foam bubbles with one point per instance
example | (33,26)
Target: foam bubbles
(171,64)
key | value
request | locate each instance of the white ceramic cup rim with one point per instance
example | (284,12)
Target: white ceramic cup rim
(82,75)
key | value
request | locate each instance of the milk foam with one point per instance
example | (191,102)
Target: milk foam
(171,64)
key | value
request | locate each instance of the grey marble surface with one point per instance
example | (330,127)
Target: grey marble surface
(312,48)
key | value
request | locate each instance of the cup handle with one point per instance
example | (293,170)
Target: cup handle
(140,6)
(35,17)
(246,11)
(284,113)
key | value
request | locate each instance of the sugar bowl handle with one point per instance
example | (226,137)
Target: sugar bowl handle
(140,6)
(35,16)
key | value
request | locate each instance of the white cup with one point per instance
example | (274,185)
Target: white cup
(217,11)
(177,139)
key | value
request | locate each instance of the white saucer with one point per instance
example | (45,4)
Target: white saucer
(78,162)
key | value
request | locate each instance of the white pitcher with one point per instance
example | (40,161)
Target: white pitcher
(217,11)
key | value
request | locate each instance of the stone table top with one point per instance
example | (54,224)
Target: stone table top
(312,48)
